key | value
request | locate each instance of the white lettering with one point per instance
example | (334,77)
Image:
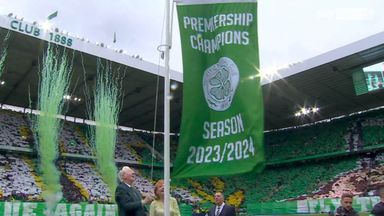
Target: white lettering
(240,122)
(223,38)
(229,126)
(193,42)
(186,22)
(61,210)
(210,24)
(110,210)
(89,210)
(75,209)
(220,129)
(233,125)
(249,19)
(200,21)
(206,130)
(213,130)
(194,23)
(28,208)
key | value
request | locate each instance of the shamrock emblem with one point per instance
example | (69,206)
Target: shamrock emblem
(219,84)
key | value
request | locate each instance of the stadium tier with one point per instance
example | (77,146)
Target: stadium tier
(336,165)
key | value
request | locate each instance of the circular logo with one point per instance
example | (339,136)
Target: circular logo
(219,83)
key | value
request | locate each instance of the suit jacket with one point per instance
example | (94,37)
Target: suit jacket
(128,200)
(343,212)
(226,211)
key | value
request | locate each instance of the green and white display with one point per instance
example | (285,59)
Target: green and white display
(315,206)
(105,114)
(63,209)
(54,82)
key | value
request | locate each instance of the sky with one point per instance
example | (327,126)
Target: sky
(289,31)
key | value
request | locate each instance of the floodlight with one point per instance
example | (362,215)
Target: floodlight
(315,109)
(270,72)
(174,86)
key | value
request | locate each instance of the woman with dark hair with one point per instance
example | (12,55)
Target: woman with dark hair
(157,206)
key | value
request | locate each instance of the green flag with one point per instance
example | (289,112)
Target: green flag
(222,121)
(53,15)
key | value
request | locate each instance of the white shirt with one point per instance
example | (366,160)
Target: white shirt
(220,208)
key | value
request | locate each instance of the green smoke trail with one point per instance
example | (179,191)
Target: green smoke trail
(4,51)
(54,82)
(105,114)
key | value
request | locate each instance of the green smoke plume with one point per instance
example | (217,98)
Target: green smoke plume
(4,51)
(105,114)
(54,82)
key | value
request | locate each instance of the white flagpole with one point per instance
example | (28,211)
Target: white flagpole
(166,109)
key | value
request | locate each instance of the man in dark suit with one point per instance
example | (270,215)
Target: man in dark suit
(220,208)
(127,197)
(378,209)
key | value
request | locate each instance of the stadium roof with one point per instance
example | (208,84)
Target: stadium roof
(324,81)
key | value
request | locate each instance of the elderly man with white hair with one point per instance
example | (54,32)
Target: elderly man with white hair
(128,198)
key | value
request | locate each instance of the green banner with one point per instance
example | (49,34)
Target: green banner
(63,209)
(316,206)
(222,122)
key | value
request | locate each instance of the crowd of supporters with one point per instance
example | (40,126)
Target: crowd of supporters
(319,161)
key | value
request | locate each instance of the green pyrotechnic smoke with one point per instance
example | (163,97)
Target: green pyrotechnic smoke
(4,52)
(54,82)
(105,114)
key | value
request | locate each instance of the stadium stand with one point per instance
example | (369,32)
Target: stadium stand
(72,140)
(80,180)
(14,130)
(71,192)
(123,149)
(18,179)
(306,141)
(159,145)
(372,129)
(350,170)
(315,161)
(88,181)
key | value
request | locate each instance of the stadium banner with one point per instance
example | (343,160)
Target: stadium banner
(53,34)
(222,118)
(16,208)
(38,31)
(316,206)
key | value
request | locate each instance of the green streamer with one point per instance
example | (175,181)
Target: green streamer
(54,82)
(4,52)
(105,114)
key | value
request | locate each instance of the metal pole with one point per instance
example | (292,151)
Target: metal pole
(166,109)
